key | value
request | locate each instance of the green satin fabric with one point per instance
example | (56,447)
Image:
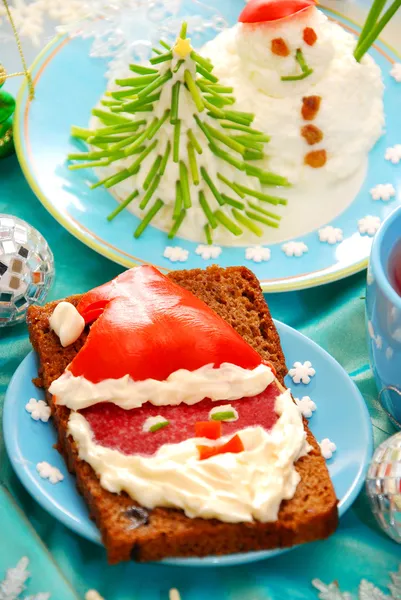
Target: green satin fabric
(332,315)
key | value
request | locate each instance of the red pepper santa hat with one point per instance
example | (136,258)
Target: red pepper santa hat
(263,11)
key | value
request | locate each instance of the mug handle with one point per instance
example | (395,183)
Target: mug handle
(390,388)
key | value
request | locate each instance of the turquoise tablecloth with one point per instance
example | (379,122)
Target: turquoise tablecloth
(333,316)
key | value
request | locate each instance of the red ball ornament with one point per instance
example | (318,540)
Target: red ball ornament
(261,11)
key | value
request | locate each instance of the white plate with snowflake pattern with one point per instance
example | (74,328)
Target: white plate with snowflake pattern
(330,241)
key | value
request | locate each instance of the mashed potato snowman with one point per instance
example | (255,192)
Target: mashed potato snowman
(295,69)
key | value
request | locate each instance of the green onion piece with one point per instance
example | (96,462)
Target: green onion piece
(184,29)
(178,65)
(164,162)
(89,165)
(107,179)
(223,415)
(233,202)
(231,185)
(248,223)
(107,139)
(219,102)
(81,133)
(162,58)
(299,57)
(109,118)
(186,194)
(176,141)
(239,127)
(146,108)
(137,81)
(239,117)
(204,62)
(373,15)
(123,205)
(265,177)
(250,154)
(158,124)
(215,111)
(205,73)
(262,219)
(178,200)
(177,224)
(130,139)
(208,234)
(283,201)
(165,45)
(134,168)
(157,51)
(124,174)
(175,98)
(149,193)
(267,213)
(202,126)
(138,142)
(194,141)
(121,94)
(376,31)
(193,164)
(248,142)
(122,128)
(207,210)
(152,172)
(228,223)
(211,186)
(159,82)
(297,77)
(158,426)
(226,140)
(112,104)
(259,195)
(87,155)
(220,89)
(142,70)
(196,96)
(138,104)
(227,157)
(148,217)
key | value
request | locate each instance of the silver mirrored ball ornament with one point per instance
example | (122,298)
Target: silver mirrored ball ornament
(26,269)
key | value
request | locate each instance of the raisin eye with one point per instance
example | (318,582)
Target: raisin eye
(310,36)
(279,47)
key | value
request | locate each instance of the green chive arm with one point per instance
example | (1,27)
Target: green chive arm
(148,217)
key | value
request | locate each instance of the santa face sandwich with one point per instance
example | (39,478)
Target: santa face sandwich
(161,405)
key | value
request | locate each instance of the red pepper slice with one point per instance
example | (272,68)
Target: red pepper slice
(208,429)
(149,327)
(94,311)
(234,445)
(261,11)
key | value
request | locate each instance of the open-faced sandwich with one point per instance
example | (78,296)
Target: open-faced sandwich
(167,393)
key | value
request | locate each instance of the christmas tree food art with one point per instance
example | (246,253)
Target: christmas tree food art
(168,142)
(7,106)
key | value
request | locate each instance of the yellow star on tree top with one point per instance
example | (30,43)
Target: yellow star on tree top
(183,47)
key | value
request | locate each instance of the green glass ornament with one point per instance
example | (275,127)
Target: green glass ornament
(6,138)
(7,106)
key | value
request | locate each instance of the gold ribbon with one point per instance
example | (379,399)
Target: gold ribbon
(25,72)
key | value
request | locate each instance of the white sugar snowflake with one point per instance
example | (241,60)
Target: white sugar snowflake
(294,248)
(306,406)
(369,225)
(396,72)
(383,191)
(393,154)
(330,234)
(302,372)
(208,252)
(258,254)
(38,409)
(46,471)
(176,254)
(366,591)
(327,448)
(13,585)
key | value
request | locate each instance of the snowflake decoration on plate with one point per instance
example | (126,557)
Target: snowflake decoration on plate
(393,154)
(306,406)
(302,372)
(258,254)
(331,235)
(294,248)
(13,585)
(369,225)
(46,471)
(396,72)
(383,191)
(38,409)
(327,448)
(176,254)
(367,591)
(208,252)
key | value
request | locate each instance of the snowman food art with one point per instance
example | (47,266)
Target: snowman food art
(228,145)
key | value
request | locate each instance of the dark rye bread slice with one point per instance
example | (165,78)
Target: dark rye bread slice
(130,531)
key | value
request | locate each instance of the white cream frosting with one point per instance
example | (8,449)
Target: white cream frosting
(66,323)
(228,382)
(230,487)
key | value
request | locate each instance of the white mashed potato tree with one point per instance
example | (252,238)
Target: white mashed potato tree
(168,141)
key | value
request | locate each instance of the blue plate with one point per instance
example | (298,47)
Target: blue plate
(65,96)
(341,416)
